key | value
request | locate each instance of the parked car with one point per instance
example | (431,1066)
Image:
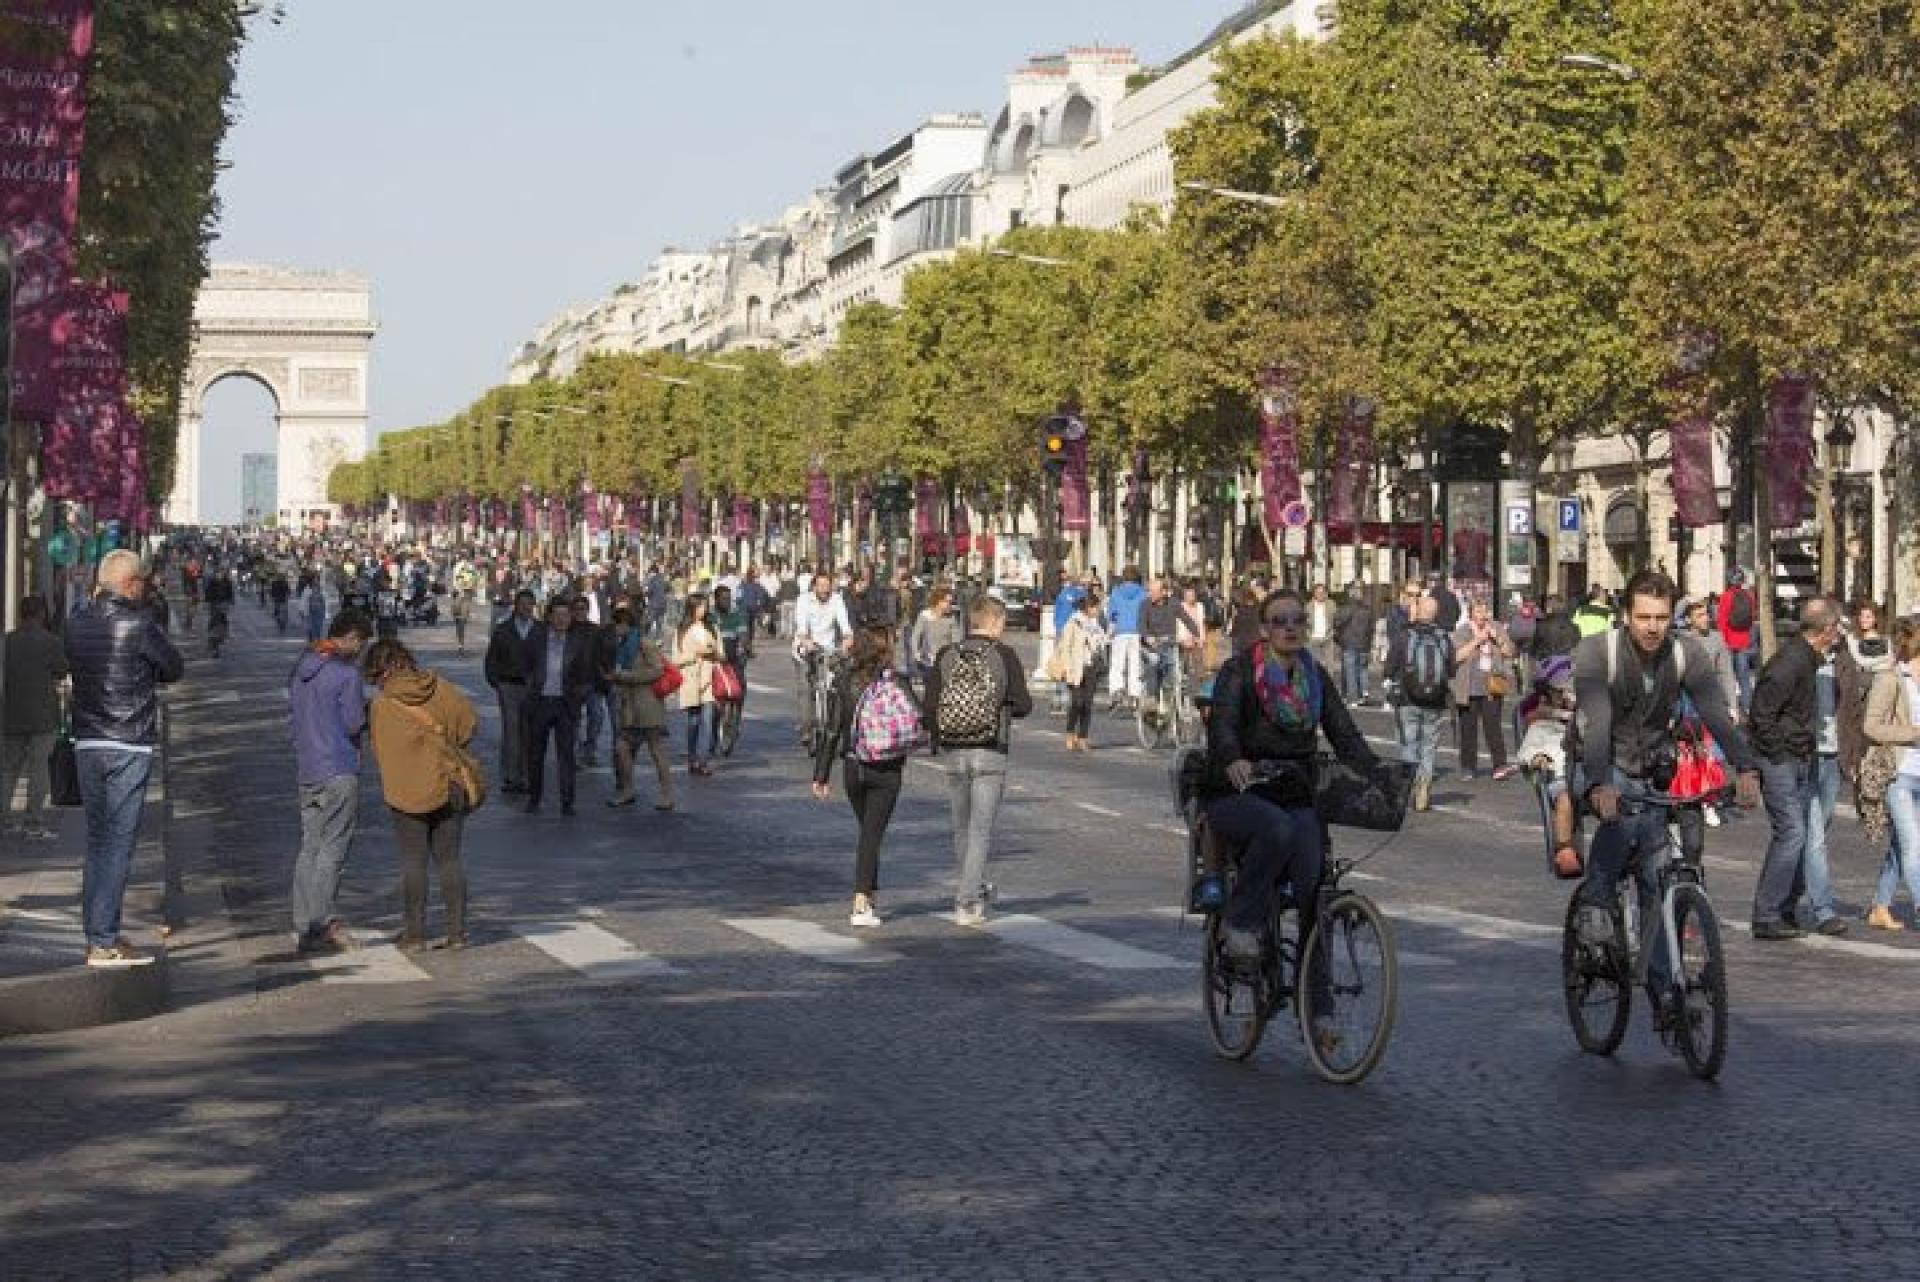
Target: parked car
(1023,605)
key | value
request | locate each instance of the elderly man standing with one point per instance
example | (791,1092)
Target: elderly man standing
(120,657)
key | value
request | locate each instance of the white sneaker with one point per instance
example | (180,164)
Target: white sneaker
(970,915)
(1712,814)
(863,915)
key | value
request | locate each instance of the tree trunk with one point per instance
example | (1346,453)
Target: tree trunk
(1832,548)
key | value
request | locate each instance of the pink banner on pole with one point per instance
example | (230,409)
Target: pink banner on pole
(927,502)
(590,507)
(820,506)
(1695,503)
(88,376)
(742,518)
(1076,512)
(1789,455)
(1352,474)
(43,111)
(529,518)
(1279,440)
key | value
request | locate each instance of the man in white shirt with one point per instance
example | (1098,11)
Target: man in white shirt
(820,626)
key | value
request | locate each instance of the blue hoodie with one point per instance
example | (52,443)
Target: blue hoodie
(1123,608)
(329,711)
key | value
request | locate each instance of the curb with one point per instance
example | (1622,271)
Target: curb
(75,996)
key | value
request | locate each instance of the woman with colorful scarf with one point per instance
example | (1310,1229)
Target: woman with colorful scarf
(1272,702)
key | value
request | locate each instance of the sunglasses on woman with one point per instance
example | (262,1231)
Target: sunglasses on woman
(1286,619)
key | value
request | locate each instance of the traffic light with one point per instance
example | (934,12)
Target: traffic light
(1058,432)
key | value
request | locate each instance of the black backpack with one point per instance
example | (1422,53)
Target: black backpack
(973,695)
(1426,679)
(1740,611)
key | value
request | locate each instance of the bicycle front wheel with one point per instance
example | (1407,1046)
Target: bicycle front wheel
(1236,996)
(1349,989)
(1598,984)
(1700,1021)
(729,730)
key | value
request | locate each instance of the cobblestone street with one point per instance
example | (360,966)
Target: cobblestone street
(669,1056)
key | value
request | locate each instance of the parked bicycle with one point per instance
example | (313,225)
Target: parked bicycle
(1689,1008)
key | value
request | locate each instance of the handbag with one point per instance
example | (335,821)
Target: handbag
(1499,685)
(726,683)
(1367,796)
(464,768)
(63,773)
(668,682)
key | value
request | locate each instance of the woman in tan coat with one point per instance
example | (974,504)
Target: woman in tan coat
(639,714)
(412,720)
(1890,726)
(694,652)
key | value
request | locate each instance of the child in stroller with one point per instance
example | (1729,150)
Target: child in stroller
(1547,714)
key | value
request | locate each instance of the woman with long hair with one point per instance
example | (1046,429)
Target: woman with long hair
(695,649)
(1887,784)
(872,786)
(413,720)
(1078,659)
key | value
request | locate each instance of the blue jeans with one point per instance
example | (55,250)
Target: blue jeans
(1642,835)
(1787,787)
(113,788)
(1903,852)
(329,812)
(1353,674)
(596,719)
(1281,844)
(699,722)
(1743,677)
(1822,796)
(1420,738)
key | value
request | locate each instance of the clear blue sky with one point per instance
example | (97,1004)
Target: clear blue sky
(489,162)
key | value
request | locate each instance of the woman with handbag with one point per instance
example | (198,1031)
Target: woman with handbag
(1482,678)
(420,728)
(695,649)
(640,712)
(1887,785)
(1077,664)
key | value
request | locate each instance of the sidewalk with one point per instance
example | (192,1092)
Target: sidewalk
(44,985)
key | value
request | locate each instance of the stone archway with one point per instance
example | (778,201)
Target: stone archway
(305,336)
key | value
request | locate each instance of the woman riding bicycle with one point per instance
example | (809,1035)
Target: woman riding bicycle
(1271,703)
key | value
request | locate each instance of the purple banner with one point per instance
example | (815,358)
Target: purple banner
(1352,474)
(927,501)
(529,518)
(1076,513)
(43,112)
(820,506)
(1789,455)
(1279,440)
(79,454)
(1695,503)
(742,518)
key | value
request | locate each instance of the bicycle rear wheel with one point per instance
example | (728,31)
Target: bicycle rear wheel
(1150,720)
(728,733)
(1236,994)
(1700,1023)
(1349,989)
(1598,984)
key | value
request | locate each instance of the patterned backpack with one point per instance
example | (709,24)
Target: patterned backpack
(886,722)
(973,695)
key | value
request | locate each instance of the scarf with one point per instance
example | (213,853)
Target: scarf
(1287,700)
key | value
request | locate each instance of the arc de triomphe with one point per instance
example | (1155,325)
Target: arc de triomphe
(305,337)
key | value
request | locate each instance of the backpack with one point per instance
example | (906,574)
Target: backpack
(1740,611)
(1524,627)
(1427,677)
(973,694)
(886,722)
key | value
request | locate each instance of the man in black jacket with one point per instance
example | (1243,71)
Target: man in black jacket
(1353,625)
(1271,704)
(1782,724)
(119,656)
(509,681)
(558,660)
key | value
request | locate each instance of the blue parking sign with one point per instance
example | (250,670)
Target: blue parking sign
(1569,516)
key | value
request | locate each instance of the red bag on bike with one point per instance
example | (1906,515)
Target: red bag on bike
(726,683)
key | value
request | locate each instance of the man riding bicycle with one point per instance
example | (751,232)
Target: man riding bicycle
(1628,683)
(1271,703)
(820,626)
(1159,625)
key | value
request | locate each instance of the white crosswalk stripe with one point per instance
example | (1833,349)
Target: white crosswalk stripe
(1078,945)
(811,940)
(370,964)
(592,950)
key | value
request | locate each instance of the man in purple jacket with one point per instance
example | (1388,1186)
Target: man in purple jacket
(329,712)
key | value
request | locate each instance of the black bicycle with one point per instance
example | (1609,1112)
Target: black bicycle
(1342,983)
(1690,1011)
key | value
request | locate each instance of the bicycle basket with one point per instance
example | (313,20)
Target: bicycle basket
(1370,797)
